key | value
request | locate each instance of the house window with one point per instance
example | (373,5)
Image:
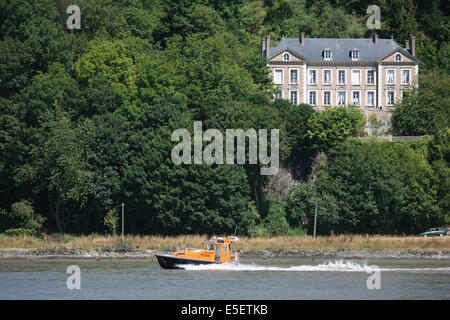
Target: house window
(326,76)
(313,98)
(405,76)
(390,98)
(294,76)
(341,98)
(286,57)
(356,76)
(355,55)
(293,97)
(390,77)
(327,54)
(370,98)
(355,98)
(279,95)
(327,98)
(398,57)
(312,76)
(341,76)
(370,76)
(278,76)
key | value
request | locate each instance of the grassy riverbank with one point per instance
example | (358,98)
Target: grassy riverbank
(341,242)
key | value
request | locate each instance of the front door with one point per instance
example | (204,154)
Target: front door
(217,255)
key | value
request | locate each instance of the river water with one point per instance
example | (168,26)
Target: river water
(272,278)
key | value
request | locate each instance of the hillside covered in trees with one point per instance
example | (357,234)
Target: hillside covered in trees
(86,118)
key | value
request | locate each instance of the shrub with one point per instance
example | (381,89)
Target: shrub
(280,184)
(328,128)
(299,203)
(250,219)
(20,232)
(275,221)
(294,232)
(106,248)
(124,247)
(64,237)
(22,216)
(259,231)
(111,221)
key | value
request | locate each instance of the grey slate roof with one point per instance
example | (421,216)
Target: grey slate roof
(313,48)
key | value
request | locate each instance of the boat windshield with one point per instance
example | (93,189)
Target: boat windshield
(208,246)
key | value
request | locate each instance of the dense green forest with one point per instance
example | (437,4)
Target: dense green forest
(86,118)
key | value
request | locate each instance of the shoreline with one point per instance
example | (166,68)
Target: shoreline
(264,254)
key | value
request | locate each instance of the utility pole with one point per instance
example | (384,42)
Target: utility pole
(315,195)
(122,219)
(315,219)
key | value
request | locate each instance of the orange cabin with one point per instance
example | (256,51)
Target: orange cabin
(213,250)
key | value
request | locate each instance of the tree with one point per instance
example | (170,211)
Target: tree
(16,67)
(46,92)
(204,21)
(112,60)
(111,221)
(296,118)
(105,151)
(275,222)
(335,124)
(425,109)
(381,187)
(253,15)
(86,117)
(13,151)
(22,213)
(56,168)
(301,208)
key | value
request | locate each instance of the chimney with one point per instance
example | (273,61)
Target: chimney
(407,44)
(375,38)
(263,48)
(413,45)
(268,46)
(302,38)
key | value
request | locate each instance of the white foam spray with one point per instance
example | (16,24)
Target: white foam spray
(336,266)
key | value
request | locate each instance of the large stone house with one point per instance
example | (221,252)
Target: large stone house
(370,73)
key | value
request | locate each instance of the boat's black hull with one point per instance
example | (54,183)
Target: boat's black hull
(170,262)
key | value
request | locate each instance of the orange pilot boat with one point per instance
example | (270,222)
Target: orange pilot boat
(215,251)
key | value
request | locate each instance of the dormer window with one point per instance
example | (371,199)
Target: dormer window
(286,57)
(327,54)
(354,54)
(398,57)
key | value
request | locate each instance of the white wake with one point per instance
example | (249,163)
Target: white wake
(338,266)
